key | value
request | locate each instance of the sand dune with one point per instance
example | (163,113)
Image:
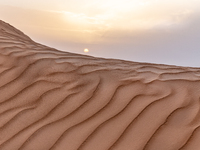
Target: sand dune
(54,100)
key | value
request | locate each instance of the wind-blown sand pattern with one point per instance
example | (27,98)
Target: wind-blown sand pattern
(53,100)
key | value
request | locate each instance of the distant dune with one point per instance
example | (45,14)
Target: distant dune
(54,100)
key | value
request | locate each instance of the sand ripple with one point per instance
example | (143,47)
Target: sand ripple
(54,100)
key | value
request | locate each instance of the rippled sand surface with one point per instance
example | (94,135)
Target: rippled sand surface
(53,100)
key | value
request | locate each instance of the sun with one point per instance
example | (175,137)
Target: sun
(86,50)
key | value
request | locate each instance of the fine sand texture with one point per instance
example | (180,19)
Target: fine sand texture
(54,100)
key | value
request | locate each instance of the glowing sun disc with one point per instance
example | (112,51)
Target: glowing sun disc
(86,50)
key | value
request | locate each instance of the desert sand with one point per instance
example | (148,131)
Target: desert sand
(54,100)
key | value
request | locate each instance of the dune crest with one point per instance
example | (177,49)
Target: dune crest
(54,100)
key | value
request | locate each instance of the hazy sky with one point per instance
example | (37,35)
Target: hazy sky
(157,31)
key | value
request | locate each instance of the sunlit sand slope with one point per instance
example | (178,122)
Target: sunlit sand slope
(53,100)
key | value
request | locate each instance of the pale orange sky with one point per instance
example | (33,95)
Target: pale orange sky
(159,31)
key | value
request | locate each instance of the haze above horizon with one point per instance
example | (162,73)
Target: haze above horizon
(152,31)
